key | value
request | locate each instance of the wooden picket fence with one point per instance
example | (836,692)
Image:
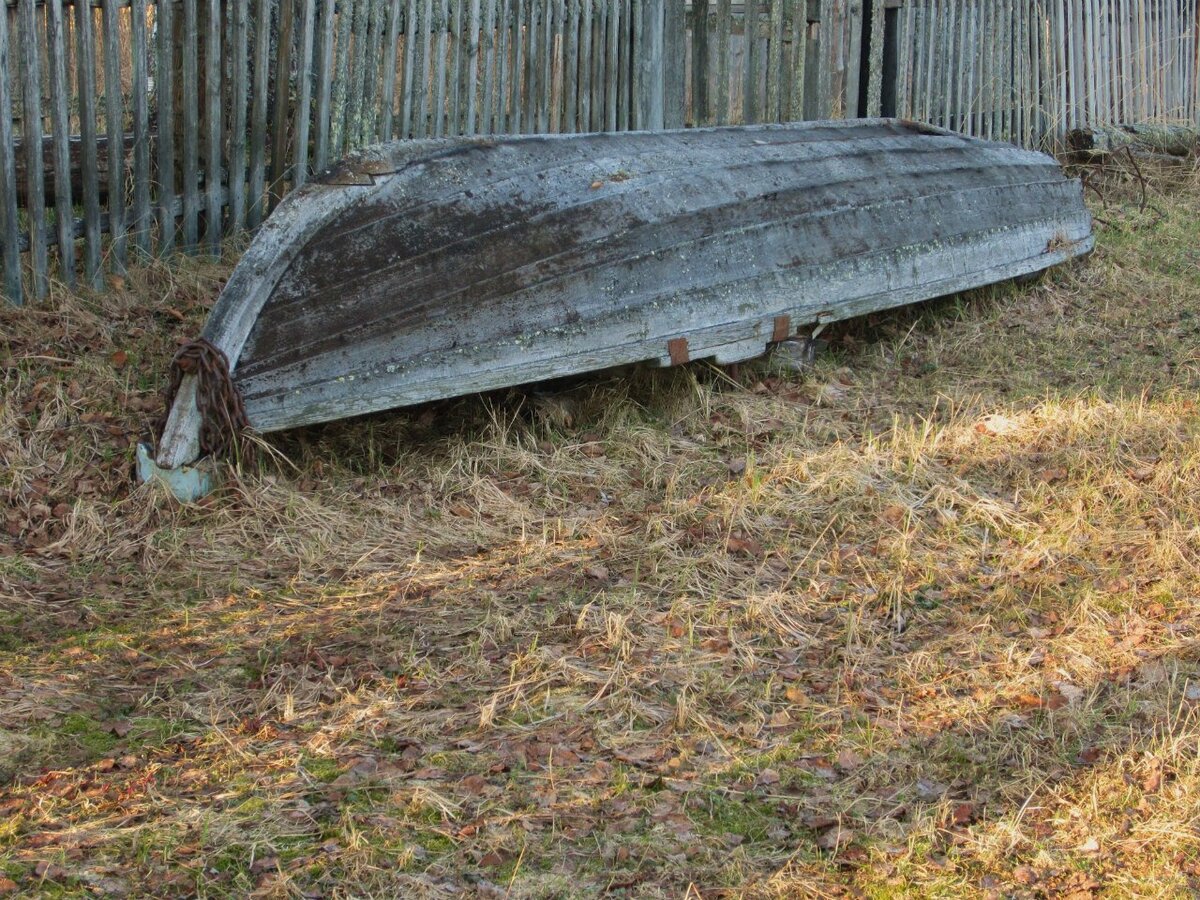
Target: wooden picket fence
(138,127)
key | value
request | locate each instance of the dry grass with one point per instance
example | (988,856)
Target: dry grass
(923,622)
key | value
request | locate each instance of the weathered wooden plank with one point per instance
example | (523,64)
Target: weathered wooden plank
(752,72)
(595,22)
(238,98)
(454,72)
(487,96)
(674,28)
(774,59)
(60,127)
(815,101)
(341,79)
(529,73)
(213,126)
(140,219)
(324,88)
(89,164)
(373,81)
(724,30)
(875,80)
(571,80)
(471,75)
(31,114)
(546,73)
(280,133)
(258,112)
(701,73)
(357,77)
(10,258)
(504,66)
(421,82)
(613,100)
(114,115)
(407,69)
(630,17)
(189,116)
(388,92)
(439,69)
(517,81)
(799,13)
(304,84)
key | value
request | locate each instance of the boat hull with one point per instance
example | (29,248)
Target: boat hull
(428,269)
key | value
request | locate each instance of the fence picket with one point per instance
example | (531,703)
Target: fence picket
(89,176)
(388,92)
(258,112)
(60,129)
(10,259)
(113,120)
(441,23)
(304,91)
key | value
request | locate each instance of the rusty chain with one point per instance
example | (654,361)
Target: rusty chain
(223,422)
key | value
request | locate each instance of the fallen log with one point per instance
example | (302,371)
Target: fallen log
(1154,139)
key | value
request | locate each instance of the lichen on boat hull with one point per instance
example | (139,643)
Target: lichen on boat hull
(422,270)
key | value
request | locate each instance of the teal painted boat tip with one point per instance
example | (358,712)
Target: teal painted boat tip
(186,483)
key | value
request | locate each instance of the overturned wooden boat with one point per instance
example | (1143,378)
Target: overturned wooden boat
(428,269)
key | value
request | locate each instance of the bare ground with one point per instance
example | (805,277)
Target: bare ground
(921,622)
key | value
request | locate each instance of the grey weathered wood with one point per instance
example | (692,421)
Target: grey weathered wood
(422,83)
(388,92)
(31,114)
(368,130)
(441,23)
(454,70)
(724,29)
(212,124)
(626,22)
(304,86)
(324,88)
(814,78)
(700,61)
(407,69)
(356,81)
(258,112)
(283,91)
(10,257)
(799,59)
(64,211)
(612,74)
(341,79)
(546,67)
(572,82)
(753,228)
(487,100)
(238,97)
(531,43)
(774,59)
(595,23)
(139,101)
(189,113)
(113,122)
(89,164)
(674,65)
(504,79)
(750,105)
(517,67)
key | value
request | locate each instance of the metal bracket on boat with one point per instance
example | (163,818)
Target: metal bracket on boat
(186,483)
(782,329)
(679,352)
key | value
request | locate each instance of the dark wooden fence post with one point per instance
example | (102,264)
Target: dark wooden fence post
(675,63)
(11,259)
